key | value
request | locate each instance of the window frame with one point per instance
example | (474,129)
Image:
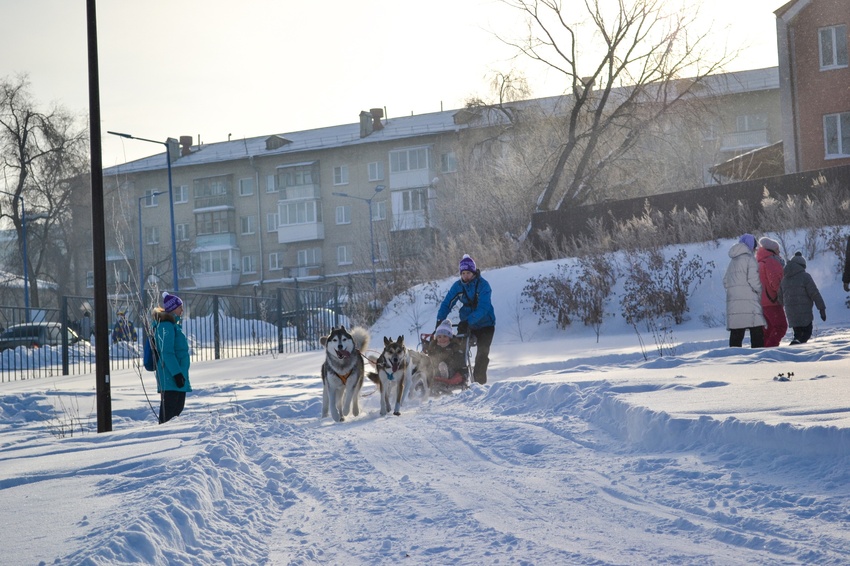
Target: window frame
(837,36)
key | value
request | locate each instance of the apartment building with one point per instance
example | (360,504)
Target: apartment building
(304,206)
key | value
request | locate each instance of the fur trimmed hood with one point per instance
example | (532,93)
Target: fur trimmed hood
(159,315)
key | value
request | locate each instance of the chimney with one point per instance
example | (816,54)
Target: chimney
(365,124)
(377,114)
(186,143)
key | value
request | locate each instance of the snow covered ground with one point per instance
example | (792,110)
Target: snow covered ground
(575,452)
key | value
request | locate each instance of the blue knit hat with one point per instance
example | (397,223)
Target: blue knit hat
(171,302)
(467,264)
(748,239)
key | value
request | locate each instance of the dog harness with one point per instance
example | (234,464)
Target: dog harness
(343,378)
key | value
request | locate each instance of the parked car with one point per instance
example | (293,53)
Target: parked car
(35,335)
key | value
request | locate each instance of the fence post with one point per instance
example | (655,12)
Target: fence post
(63,309)
(279,320)
(216,328)
(299,318)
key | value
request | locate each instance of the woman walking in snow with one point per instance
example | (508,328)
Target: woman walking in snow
(770,274)
(743,295)
(172,348)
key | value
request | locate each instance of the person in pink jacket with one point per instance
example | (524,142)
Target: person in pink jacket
(771,268)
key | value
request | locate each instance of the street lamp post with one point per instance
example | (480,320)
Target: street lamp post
(368,201)
(175,278)
(141,249)
(24,251)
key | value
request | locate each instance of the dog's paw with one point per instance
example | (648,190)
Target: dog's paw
(397,413)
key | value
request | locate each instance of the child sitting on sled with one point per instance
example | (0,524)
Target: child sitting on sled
(448,357)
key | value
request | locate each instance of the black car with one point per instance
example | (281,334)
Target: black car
(35,335)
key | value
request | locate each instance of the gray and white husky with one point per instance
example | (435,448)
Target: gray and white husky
(400,369)
(343,371)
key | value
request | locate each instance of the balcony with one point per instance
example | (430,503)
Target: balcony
(214,201)
(744,141)
(305,271)
(410,179)
(290,233)
(217,279)
(300,192)
(225,240)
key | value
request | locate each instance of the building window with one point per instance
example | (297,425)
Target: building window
(89,279)
(383,252)
(271,186)
(343,255)
(413,200)
(216,222)
(297,176)
(833,47)
(379,210)
(181,194)
(215,261)
(274,261)
(152,235)
(376,171)
(249,264)
(306,212)
(246,187)
(246,224)
(751,122)
(272,221)
(343,214)
(182,232)
(410,160)
(312,256)
(341,175)
(150,198)
(448,162)
(836,129)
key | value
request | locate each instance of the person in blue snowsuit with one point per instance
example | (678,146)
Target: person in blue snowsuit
(476,312)
(172,365)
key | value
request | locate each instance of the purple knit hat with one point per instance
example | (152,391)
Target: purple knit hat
(467,264)
(171,302)
(748,239)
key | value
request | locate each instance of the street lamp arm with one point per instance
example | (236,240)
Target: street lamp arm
(132,137)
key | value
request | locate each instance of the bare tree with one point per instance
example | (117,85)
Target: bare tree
(624,63)
(42,156)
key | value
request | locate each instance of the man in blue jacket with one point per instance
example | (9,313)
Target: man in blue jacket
(476,312)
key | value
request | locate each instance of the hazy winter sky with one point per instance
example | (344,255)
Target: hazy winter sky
(213,68)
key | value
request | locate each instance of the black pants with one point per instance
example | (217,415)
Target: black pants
(171,405)
(736,337)
(484,336)
(802,334)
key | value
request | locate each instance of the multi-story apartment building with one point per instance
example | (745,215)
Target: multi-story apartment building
(307,206)
(350,200)
(812,37)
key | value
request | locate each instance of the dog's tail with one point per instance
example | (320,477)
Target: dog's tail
(361,337)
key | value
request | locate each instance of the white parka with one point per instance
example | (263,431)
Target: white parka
(743,289)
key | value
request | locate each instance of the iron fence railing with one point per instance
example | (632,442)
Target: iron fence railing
(218,326)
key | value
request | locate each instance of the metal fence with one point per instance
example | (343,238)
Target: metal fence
(217,326)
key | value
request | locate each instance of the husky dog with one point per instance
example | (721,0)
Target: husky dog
(399,370)
(342,372)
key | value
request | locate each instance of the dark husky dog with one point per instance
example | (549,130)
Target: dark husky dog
(342,372)
(399,370)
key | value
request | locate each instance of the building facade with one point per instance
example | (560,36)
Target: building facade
(812,39)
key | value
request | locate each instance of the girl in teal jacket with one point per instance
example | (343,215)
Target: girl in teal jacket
(172,365)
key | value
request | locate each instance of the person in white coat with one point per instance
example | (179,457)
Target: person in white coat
(743,294)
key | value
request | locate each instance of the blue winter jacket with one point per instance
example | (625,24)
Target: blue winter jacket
(173,351)
(476,309)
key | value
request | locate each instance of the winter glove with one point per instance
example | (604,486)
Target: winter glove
(823,315)
(181,381)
